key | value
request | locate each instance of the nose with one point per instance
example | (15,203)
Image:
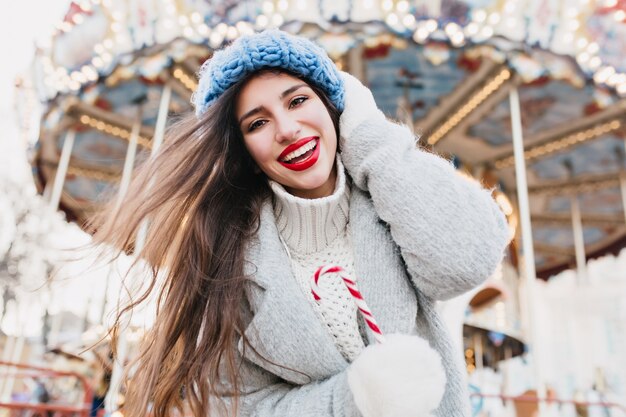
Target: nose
(287,128)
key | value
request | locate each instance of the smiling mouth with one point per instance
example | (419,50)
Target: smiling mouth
(301,155)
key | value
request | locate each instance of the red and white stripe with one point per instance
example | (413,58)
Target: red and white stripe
(356,296)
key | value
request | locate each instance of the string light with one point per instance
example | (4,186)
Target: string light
(398,14)
(589,185)
(204,30)
(244,28)
(603,74)
(562,143)
(479,15)
(262,21)
(457,39)
(470,106)
(582,57)
(93,174)
(232,33)
(593,48)
(277,20)
(595,63)
(112,130)
(486,32)
(402,6)
(196,18)
(431,25)
(283,5)
(421,34)
(616,79)
(216,39)
(392,19)
(494,18)
(268,7)
(408,21)
(185,79)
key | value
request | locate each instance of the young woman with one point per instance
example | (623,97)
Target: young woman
(288,165)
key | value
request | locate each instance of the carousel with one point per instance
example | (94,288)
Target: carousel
(526,96)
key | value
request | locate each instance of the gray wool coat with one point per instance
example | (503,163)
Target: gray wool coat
(420,233)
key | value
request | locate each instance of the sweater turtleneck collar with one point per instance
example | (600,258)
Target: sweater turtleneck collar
(309,225)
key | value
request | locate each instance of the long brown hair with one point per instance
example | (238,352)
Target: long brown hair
(202,195)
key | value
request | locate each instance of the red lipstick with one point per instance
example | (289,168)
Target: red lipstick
(302,165)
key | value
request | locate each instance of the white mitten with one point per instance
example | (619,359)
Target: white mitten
(402,377)
(359,105)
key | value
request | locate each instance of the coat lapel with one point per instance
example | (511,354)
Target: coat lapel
(286,334)
(381,275)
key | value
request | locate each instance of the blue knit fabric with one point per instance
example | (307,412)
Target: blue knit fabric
(268,49)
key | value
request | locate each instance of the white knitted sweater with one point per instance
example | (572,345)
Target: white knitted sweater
(315,232)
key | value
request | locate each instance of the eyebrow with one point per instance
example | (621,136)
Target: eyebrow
(282,96)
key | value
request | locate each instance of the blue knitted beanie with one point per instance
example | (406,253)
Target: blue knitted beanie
(268,49)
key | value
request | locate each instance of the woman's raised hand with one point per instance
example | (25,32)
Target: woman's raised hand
(359,105)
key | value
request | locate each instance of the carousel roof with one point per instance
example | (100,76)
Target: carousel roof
(446,70)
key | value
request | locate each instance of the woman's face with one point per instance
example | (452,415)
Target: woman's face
(289,133)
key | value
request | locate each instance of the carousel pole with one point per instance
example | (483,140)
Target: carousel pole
(6,357)
(55,199)
(122,348)
(111,400)
(105,300)
(622,176)
(159,129)
(157,141)
(64,161)
(527,245)
(15,355)
(129,161)
(579,241)
(577,229)
(622,183)
(9,382)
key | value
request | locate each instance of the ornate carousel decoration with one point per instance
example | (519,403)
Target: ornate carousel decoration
(114,73)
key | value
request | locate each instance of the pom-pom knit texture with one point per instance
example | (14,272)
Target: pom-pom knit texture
(268,49)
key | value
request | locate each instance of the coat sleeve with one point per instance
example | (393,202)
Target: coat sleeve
(450,231)
(266,395)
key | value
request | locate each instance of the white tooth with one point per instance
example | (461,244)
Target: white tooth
(301,151)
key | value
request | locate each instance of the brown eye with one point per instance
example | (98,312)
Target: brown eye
(256,124)
(297,101)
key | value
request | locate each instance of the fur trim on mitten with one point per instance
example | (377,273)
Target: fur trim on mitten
(402,377)
(359,105)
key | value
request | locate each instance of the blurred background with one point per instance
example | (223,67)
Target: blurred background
(527,97)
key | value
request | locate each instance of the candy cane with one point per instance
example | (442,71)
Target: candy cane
(356,296)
